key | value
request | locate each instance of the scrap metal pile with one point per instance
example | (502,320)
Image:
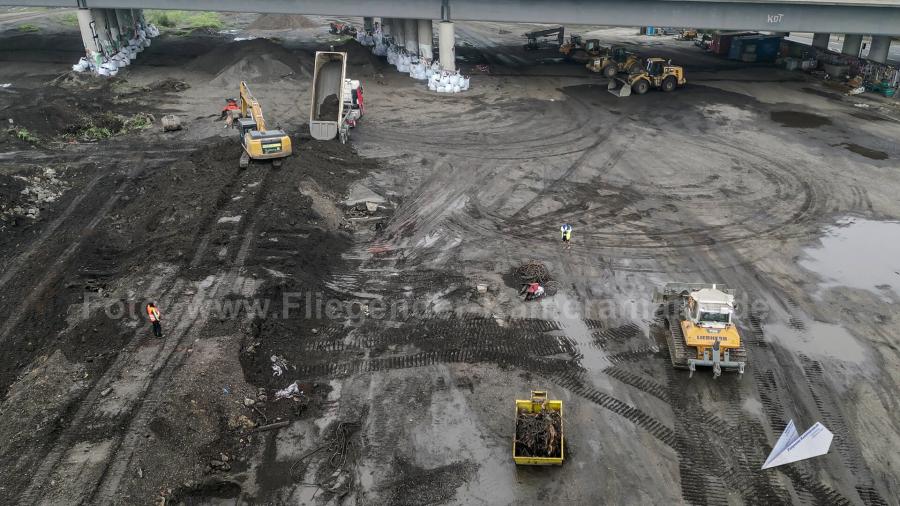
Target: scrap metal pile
(538,434)
(536,272)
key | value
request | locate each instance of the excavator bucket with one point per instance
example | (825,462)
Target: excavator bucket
(619,87)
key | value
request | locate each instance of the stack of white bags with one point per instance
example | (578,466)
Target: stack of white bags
(109,66)
(447,82)
(439,80)
(364,38)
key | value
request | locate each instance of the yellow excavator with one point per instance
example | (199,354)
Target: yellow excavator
(259,143)
(700,327)
(614,60)
(658,73)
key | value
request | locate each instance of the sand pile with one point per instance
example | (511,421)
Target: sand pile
(282,22)
(254,61)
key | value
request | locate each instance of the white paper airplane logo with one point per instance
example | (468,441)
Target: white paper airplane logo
(791,447)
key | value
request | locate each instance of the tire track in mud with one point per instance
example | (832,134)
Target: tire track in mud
(187,315)
(54,270)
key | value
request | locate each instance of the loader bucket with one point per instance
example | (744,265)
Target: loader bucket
(619,88)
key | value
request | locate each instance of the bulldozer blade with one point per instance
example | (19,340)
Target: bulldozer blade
(619,88)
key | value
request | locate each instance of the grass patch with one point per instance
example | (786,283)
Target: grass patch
(185,19)
(23,134)
(106,125)
(68,19)
(28,27)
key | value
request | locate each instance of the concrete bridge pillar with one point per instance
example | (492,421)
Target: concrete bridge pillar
(447,45)
(112,21)
(399,32)
(387,26)
(126,29)
(881,46)
(820,40)
(369,24)
(101,29)
(411,32)
(426,38)
(89,35)
(852,44)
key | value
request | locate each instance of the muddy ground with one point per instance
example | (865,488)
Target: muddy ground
(406,373)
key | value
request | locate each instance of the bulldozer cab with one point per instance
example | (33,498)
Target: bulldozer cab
(618,53)
(710,308)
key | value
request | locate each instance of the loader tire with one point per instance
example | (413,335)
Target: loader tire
(669,84)
(641,87)
(610,71)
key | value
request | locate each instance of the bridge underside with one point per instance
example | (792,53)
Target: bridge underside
(872,17)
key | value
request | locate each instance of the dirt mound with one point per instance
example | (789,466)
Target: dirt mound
(256,60)
(281,22)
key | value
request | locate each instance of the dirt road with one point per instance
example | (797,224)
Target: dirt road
(405,373)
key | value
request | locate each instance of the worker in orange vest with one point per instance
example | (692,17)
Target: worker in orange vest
(153,316)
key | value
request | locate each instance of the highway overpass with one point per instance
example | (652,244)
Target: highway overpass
(869,17)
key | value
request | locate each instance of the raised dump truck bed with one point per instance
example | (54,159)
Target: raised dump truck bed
(326,112)
(539,438)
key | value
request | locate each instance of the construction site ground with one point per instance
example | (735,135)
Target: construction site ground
(769,181)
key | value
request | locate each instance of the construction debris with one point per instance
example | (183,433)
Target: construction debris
(292,391)
(533,272)
(538,434)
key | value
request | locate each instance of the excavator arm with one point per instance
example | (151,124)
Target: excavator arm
(249,104)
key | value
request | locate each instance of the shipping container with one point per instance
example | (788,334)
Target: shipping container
(721,41)
(755,48)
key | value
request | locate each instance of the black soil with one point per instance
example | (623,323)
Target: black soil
(329,109)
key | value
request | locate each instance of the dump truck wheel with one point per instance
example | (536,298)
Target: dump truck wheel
(610,71)
(641,87)
(668,84)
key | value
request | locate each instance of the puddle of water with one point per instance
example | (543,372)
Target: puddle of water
(873,154)
(819,339)
(858,253)
(797,119)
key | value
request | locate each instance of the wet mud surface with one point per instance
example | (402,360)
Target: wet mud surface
(378,279)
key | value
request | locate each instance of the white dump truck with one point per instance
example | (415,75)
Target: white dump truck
(337,102)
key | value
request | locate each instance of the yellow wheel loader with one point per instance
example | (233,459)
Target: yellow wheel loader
(615,60)
(700,327)
(658,73)
(259,143)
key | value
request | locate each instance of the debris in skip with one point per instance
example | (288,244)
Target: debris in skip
(792,447)
(539,431)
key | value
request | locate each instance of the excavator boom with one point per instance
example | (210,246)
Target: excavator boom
(249,104)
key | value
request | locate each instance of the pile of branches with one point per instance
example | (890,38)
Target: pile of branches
(336,459)
(533,272)
(539,434)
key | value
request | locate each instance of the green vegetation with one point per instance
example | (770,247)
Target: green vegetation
(139,121)
(68,19)
(107,125)
(23,134)
(27,27)
(185,19)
